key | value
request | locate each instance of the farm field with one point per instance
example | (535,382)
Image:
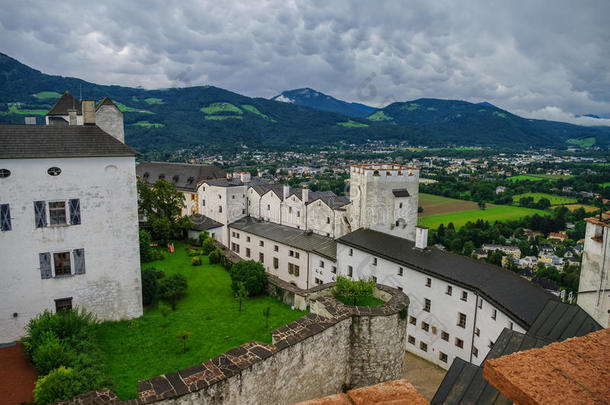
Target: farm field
(436,204)
(554,199)
(606,184)
(144,348)
(492,214)
(588,208)
(537,177)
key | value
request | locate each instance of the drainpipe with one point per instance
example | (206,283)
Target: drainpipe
(474,324)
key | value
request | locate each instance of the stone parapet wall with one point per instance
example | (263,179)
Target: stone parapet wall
(329,350)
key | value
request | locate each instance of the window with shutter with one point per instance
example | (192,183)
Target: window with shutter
(40,214)
(45,265)
(74,211)
(79,261)
(5,217)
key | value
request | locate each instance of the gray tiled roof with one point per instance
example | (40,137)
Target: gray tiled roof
(49,141)
(296,238)
(521,299)
(185,176)
(201,222)
(66,102)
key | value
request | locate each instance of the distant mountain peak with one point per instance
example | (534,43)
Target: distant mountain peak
(312,98)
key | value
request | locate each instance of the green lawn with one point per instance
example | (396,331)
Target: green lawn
(583,142)
(496,213)
(154,100)
(14,108)
(604,185)
(223,117)
(537,177)
(352,124)
(126,108)
(254,110)
(45,95)
(142,348)
(379,116)
(554,199)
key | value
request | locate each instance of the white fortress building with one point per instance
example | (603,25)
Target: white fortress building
(69,218)
(594,286)
(458,306)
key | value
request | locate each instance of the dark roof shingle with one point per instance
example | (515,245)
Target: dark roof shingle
(185,176)
(49,141)
(66,102)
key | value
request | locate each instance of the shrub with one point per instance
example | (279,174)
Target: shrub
(146,251)
(173,288)
(207,246)
(51,353)
(150,281)
(215,256)
(352,291)
(226,263)
(203,236)
(61,383)
(196,261)
(252,274)
(194,252)
(165,310)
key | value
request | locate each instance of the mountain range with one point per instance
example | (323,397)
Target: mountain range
(218,119)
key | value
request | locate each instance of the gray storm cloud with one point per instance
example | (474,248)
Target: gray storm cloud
(545,59)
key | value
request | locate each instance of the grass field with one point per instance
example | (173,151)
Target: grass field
(436,204)
(554,199)
(588,208)
(14,109)
(154,100)
(496,213)
(583,142)
(604,185)
(215,108)
(379,116)
(223,117)
(352,124)
(254,110)
(537,177)
(148,124)
(46,95)
(143,348)
(126,108)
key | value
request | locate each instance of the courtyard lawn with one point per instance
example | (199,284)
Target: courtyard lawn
(538,177)
(554,199)
(142,348)
(496,213)
(436,205)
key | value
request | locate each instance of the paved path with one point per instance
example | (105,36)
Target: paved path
(17,377)
(423,375)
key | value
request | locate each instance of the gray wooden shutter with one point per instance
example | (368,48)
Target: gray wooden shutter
(5,217)
(40,214)
(79,261)
(75,211)
(45,265)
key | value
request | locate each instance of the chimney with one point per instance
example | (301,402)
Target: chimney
(72,115)
(88,112)
(286,191)
(305,194)
(30,120)
(421,237)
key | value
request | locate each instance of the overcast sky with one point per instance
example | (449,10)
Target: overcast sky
(543,59)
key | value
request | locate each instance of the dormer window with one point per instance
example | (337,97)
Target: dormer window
(161,176)
(54,171)
(175,179)
(4,173)
(146,175)
(190,180)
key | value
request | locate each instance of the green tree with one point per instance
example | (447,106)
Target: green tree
(241,294)
(150,284)
(165,310)
(173,288)
(161,204)
(203,236)
(251,274)
(207,246)
(146,251)
(352,291)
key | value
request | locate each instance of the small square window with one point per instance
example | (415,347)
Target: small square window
(477,332)
(247,252)
(351,252)
(480,303)
(276,263)
(400,271)
(411,339)
(350,271)
(322,263)
(61,263)
(459,343)
(63,304)
(261,243)
(425,326)
(428,282)
(334,270)
(427,304)
(261,258)
(247,239)
(413,320)
(442,357)
(449,290)
(297,255)
(494,314)
(57,213)
(461,320)
(374,261)
(444,336)
(423,346)
(276,248)
(475,351)
(464,296)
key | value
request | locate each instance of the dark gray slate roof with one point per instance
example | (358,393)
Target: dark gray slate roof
(203,223)
(66,102)
(49,141)
(296,238)
(464,382)
(522,300)
(331,199)
(401,192)
(185,176)
(225,182)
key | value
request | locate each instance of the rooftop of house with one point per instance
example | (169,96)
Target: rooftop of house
(328,197)
(396,392)
(297,238)
(603,221)
(65,103)
(202,223)
(577,368)
(185,176)
(48,141)
(464,382)
(521,300)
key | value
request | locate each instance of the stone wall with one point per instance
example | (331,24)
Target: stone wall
(330,350)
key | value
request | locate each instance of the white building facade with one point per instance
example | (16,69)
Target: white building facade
(69,234)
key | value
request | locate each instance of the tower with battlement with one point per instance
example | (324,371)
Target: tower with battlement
(384,198)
